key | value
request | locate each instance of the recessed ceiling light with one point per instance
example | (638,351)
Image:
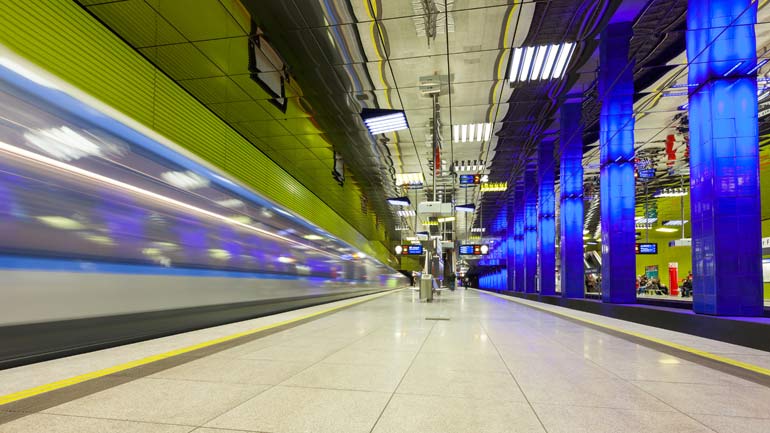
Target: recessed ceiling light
(666,230)
(543,62)
(675,223)
(380,121)
(471,132)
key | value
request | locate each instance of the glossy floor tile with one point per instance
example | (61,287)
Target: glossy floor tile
(490,365)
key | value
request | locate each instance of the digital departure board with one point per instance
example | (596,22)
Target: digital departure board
(474,250)
(473,179)
(645,248)
(412,250)
(647,173)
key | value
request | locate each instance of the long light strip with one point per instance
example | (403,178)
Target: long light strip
(386,123)
(540,53)
(472,132)
(513,75)
(32,156)
(540,63)
(565,54)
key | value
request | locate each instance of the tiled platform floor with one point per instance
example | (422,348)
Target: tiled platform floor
(380,366)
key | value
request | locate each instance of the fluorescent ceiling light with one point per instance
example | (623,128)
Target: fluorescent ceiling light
(470,207)
(186,180)
(472,132)
(406,213)
(676,223)
(312,237)
(643,220)
(540,63)
(478,230)
(446,219)
(666,229)
(399,201)
(494,186)
(456,133)
(379,121)
(409,179)
(671,192)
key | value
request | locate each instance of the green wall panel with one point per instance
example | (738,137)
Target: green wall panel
(61,37)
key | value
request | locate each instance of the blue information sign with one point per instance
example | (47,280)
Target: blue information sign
(645,248)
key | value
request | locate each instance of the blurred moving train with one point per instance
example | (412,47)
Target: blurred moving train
(108,236)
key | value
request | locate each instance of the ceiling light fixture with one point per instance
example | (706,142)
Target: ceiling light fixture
(666,230)
(543,62)
(478,230)
(643,220)
(671,192)
(405,213)
(409,179)
(675,223)
(446,219)
(380,121)
(494,186)
(470,207)
(399,201)
(472,132)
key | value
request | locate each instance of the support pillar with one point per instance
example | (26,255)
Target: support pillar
(571,266)
(546,224)
(616,142)
(518,237)
(724,158)
(530,229)
(510,250)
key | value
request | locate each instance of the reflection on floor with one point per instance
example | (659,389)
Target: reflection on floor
(487,365)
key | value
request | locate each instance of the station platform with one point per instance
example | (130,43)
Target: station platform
(468,362)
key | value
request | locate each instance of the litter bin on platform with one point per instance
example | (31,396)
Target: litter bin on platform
(426,287)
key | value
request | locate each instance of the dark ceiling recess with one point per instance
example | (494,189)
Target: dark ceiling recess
(314,64)
(533,107)
(659,36)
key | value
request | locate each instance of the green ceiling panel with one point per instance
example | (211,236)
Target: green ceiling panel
(300,126)
(314,140)
(182,61)
(243,111)
(265,128)
(285,142)
(256,92)
(199,20)
(230,55)
(215,90)
(63,38)
(140,23)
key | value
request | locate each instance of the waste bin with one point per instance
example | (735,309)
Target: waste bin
(426,287)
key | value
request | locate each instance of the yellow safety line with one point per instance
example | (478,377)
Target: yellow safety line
(692,350)
(41,389)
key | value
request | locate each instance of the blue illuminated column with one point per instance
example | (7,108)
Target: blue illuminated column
(616,142)
(530,229)
(571,210)
(518,237)
(724,158)
(546,224)
(510,251)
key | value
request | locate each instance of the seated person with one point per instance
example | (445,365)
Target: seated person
(687,287)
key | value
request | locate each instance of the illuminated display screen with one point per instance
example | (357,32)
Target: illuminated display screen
(642,248)
(473,250)
(473,179)
(647,173)
(411,250)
